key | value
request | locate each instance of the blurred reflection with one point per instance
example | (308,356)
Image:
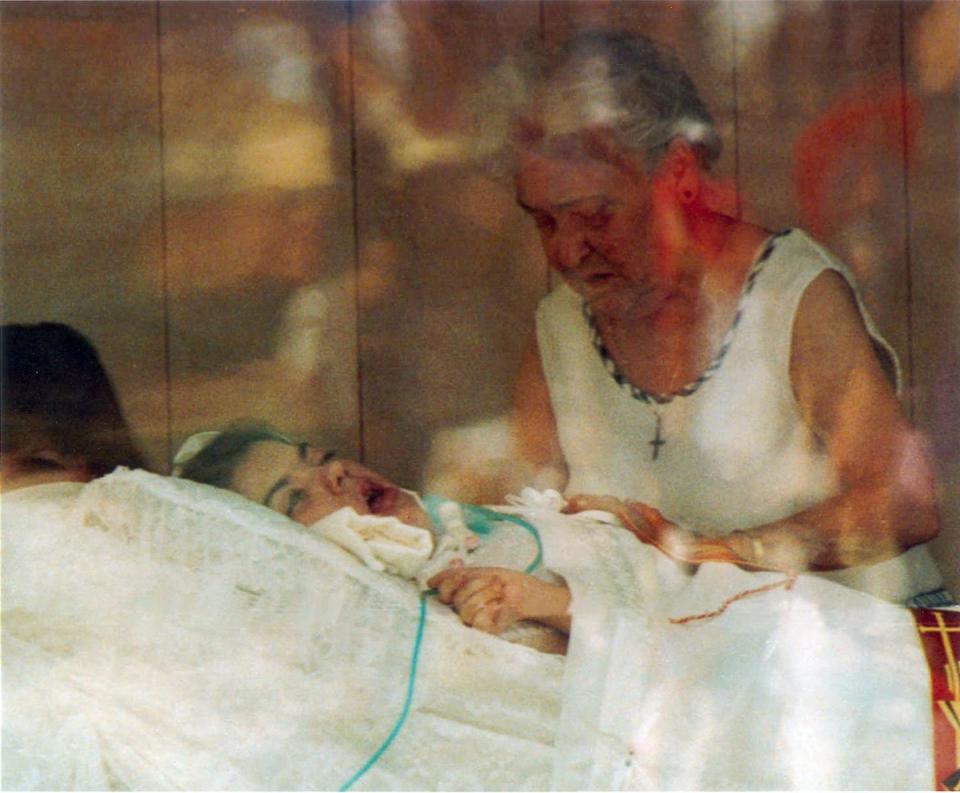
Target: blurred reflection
(430,80)
(242,108)
(848,169)
(261,303)
(448,272)
(80,175)
(935,64)
(279,54)
(304,383)
(257,260)
(875,151)
(755,25)
(480,462)
(936,54)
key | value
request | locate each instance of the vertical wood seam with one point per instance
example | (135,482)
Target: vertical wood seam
(355,222)
(908,220)
(736,110)
(164,274)
(542,31)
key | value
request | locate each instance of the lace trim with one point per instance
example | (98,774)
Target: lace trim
(648,397)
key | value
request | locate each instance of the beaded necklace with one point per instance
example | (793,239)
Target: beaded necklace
(653,399)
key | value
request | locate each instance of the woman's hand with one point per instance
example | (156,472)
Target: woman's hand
(647,523)
(492,599)
(650,526)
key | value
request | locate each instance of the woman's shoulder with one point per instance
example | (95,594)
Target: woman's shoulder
(797,246)
(559,304)
(561,294)
(791,260)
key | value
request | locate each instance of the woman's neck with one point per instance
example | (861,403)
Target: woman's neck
(670,348)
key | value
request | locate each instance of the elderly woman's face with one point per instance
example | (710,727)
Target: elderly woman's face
(599,230)
(306,485)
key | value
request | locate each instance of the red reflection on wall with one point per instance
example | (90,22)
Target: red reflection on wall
(864,122)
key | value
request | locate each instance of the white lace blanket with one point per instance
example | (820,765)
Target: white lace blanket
(818,687)
(158,634)
(163,635)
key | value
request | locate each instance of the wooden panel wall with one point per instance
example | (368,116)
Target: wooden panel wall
(257,213)
(298,211)
(81,160)
(932,67)
(449,268)
(821,83)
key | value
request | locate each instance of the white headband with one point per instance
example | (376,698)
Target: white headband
(191,447)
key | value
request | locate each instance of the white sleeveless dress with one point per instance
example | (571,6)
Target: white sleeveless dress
(738,453)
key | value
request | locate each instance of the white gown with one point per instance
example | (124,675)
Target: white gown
(738,453)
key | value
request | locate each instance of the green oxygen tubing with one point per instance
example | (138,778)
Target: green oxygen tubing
(481,521)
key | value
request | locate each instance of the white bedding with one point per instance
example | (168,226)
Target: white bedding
(158,634)
(816,687)
(135,657)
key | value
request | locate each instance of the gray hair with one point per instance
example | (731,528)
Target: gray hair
(626,83)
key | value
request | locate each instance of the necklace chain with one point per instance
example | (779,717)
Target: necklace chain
(656,399)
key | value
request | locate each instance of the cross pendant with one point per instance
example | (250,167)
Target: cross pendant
(657,441)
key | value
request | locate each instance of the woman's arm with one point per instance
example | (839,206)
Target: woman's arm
(886,498)
(533,425)
(886,501)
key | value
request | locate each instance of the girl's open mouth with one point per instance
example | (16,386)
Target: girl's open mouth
(379,499)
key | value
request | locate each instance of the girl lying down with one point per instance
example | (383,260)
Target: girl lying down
(343,500)
(162,634)
(325,492)
(159,634)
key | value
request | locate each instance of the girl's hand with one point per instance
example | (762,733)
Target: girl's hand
(492,599)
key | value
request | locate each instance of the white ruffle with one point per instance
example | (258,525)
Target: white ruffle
(381,542)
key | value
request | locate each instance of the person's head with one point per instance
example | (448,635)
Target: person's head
(610,155)
(299,480)
(623,84)
(61,419)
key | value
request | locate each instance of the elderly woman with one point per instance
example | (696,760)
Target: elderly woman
(724,378)
(307,485)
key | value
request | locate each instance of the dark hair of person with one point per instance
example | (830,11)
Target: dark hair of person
(216,462)
(57,397)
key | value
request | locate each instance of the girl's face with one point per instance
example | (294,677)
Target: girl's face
(305,484)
